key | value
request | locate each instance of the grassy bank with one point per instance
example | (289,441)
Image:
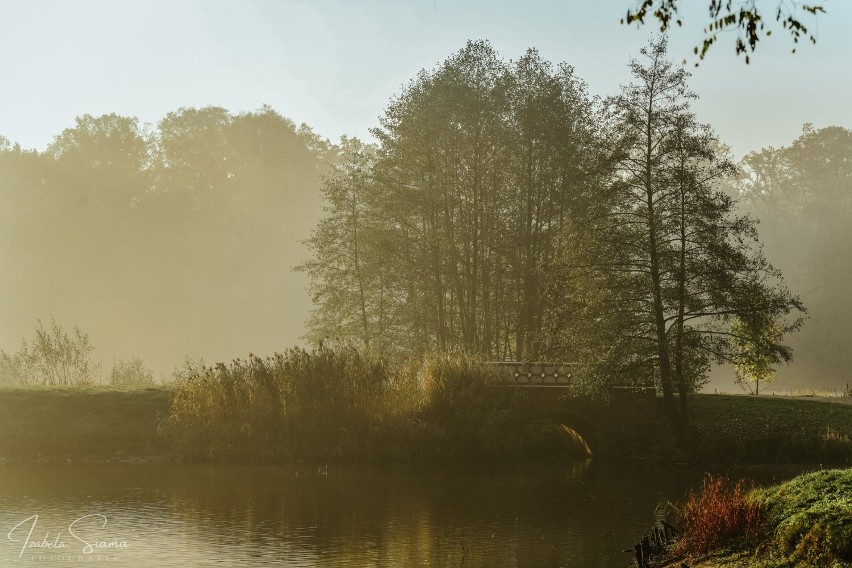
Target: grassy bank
(730,429)
(81,422)
(337,404)
(804,522)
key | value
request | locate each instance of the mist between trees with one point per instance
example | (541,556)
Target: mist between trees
(162,241)
(503,212)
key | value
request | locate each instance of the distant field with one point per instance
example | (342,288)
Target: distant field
(847,400)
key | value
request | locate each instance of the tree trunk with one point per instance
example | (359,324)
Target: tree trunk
(671,409)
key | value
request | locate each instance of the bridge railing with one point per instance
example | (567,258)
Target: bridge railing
(516,374)
(520,374)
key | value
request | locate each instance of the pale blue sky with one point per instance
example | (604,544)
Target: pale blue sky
(335,64)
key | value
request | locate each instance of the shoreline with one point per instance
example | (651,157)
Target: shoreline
(98,424)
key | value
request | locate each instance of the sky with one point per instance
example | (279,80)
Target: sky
(334,65)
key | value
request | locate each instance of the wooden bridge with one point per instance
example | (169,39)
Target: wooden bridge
(606,425)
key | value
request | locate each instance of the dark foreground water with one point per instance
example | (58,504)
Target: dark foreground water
(570,514)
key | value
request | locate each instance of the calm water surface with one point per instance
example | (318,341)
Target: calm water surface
(544,514)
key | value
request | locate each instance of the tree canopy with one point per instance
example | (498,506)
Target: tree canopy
(443,237)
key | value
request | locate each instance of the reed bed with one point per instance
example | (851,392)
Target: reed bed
(341,403)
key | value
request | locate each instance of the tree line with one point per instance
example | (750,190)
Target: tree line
(802,195)
(162,240)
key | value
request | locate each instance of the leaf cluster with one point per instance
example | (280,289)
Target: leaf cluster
(744,17)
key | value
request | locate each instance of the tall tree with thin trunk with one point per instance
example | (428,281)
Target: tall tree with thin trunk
(678,264)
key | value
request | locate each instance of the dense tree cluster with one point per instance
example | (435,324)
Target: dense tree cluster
(505,213)
(443,237)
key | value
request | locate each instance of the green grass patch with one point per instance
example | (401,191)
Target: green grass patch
(768,429)
(809,519)
(339,404)
(82,422)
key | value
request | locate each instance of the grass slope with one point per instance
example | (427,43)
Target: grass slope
(804,522)
(81,422)
(768,429)
(106,423)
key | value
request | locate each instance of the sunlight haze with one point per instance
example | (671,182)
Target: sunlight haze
(333,66)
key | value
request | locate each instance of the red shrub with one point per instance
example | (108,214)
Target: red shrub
(718,515)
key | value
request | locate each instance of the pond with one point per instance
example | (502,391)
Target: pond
(573,514)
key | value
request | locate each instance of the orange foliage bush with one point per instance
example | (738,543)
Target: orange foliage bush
(718,515)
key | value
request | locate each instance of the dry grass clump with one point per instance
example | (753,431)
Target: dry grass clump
(299,403)
(339,402)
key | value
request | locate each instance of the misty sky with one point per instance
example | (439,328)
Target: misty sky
(335,64)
